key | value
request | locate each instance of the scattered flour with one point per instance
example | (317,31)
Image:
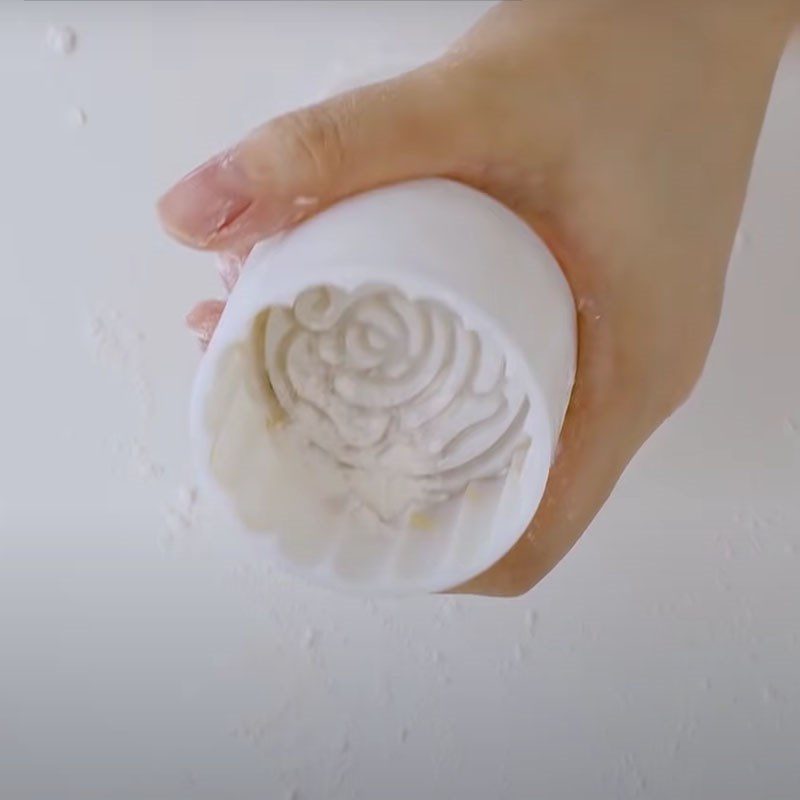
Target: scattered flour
(310,638)
(76,117)
(182,512)
(143,462)
(61,40)
(117,346)
(179,518)
(139,459)
(531,618)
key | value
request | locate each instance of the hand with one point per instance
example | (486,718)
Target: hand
(622,131)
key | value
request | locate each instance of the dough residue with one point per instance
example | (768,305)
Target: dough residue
(392,397)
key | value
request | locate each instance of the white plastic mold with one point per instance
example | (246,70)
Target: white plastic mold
(315,315)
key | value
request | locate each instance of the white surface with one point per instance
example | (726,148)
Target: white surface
(497,281)
(660,660)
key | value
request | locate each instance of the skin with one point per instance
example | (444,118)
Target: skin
(622,131)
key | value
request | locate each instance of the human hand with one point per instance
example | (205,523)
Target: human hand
(622,132)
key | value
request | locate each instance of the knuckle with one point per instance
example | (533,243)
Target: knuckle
(311,136)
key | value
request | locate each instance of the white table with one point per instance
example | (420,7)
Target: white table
(142,657)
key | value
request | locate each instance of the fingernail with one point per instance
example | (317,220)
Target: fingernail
(203,318)
(200,205)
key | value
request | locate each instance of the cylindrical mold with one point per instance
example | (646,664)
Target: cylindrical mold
(380,404)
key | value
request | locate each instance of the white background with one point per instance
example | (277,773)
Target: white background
(143,657)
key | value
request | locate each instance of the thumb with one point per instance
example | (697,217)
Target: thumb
(301,162)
